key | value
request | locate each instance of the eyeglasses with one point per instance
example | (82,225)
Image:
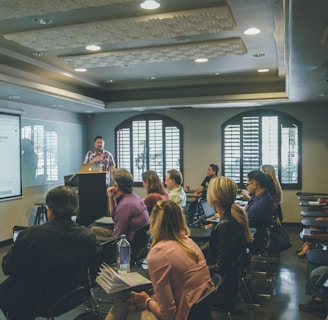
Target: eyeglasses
(247,184)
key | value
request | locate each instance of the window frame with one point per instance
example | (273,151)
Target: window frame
(167,122)
(282,118)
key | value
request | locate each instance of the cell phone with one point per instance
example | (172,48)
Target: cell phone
(323,280)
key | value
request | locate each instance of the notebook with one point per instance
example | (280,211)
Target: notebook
(104,220)
(89,167)
(208,212)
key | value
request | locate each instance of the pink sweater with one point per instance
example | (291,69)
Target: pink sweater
(177,279)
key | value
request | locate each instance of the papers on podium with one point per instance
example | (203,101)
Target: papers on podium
(111,282)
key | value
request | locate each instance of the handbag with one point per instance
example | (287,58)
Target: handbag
(278,238)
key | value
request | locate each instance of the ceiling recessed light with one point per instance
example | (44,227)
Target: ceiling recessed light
(181,39)
(258,55)
(93,47)
(252,31)
(149,5)
(14,97)
(201,60)
(41,20)
(263,70)
(39,53)
(80,69)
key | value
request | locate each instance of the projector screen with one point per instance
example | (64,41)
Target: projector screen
(10,159)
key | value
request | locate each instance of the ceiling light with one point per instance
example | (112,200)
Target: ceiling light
(263,70)
(41,20)
(39,53)
(252,31)
(151,78)
(80,69)
(258,55)
(201,60)
(93,47)
(14,97)
(149,5)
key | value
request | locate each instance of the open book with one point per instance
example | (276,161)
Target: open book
(111,282)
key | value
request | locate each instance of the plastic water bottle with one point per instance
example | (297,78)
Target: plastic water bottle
(123,255)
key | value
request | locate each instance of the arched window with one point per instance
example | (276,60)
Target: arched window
(261,137)
(149,142)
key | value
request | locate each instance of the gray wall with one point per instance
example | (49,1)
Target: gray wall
(202,145)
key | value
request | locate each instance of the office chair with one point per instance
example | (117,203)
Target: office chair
(67,286)
(225,301)
(140,244)
(201,309)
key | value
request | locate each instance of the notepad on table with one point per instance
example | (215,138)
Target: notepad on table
(112,282)
(104,220)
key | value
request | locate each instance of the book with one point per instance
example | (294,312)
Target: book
(104,220)
(111,282)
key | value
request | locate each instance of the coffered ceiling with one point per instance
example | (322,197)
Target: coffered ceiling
(146,59)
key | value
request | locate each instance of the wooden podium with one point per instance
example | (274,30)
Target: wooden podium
(93,202)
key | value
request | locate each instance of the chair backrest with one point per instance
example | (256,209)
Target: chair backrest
(65,287)
(201,309)
(259,244)
(226,297)
(140,243)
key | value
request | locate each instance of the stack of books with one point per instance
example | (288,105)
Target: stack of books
(111,282)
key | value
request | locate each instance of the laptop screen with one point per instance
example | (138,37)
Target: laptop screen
(207,209)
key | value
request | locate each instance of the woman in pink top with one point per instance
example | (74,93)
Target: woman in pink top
(177,268)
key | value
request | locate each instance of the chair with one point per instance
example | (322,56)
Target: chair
(201,309)
(67,286)
(225,301)
(140,244)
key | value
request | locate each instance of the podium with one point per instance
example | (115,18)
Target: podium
(93,201)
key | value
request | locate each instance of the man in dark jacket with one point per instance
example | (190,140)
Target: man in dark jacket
(44,256)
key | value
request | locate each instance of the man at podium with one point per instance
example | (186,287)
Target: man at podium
(103,159)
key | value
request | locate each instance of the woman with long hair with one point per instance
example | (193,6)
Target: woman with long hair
(277,194)
(154,188)
(177,269)
(230,238)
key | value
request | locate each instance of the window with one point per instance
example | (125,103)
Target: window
(45,145)
(262,137)
(149,142)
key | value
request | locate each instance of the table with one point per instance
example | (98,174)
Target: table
(200,233)
(314,214)
(314,223)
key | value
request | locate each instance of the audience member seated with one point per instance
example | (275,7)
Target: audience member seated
(277,198)
(173,181)
(177,269)
(40,248)
(259,209)
(127,209)
(231,236)
(154,188)
(318,303)
(212,172)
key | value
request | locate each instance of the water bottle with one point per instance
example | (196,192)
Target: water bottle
(123,255)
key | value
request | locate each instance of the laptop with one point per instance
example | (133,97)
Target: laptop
(89,168)
(16,231)
(209,212)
